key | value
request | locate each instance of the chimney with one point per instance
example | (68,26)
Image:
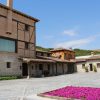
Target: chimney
(10,3)
(9,16)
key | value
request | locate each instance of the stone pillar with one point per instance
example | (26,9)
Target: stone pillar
(56,69)
(62,68)
(29,73)
(52,69)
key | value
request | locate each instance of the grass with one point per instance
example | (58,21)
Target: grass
(9,77)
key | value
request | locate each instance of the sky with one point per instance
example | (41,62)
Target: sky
(64,23)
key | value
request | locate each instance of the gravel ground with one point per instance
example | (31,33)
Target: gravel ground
(21,88)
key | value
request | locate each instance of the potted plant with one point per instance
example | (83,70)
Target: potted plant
(86,69)
(95,69)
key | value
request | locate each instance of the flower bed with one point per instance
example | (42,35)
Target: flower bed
(81,93)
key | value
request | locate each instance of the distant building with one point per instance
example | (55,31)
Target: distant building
(91,62)
(56,65)
(64,54)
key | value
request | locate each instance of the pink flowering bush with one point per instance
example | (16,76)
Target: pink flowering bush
(86,93)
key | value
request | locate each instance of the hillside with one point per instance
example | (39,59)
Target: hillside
(43,49)
(78,52)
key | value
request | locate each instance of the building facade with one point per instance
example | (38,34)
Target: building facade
(64,54)
(17,39)
(89,63)
(56,65)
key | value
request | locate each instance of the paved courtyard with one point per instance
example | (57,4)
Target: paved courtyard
(21,88)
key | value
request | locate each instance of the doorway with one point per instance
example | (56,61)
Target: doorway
(91,67)
(24,69)
(70,68)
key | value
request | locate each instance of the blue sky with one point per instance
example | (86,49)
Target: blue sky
(64,23)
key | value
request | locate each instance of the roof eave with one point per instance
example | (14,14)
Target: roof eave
(16,11)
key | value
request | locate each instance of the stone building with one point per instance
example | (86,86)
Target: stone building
(56,65)
(90,62)
(17,39)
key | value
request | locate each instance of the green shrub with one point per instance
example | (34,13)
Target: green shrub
(9,77)
(95,69)
(86,69)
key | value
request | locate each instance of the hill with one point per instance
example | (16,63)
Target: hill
(78,52)
(43,49)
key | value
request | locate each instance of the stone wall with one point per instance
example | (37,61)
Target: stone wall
(15,64)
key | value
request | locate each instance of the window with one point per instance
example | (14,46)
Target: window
(70,56)
(65,55)
(26,45)
(26,27)
(40,67)
(83,66)
(8,65)
(48,55)
(7,45)
(42,53)
(98,65)
(91,67)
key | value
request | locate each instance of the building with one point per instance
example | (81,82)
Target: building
(18,55)
(56,65)
(17,39)
(90,63)
(64,54)
(67,55)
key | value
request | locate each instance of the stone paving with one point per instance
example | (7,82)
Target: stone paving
(23,88)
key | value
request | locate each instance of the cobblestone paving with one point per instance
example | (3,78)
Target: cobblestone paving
(14,89)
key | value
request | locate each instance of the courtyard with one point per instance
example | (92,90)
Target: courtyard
(23,88)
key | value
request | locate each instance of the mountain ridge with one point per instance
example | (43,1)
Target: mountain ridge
(78,52)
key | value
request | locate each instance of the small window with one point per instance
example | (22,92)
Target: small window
(26,27)
(26,45)
(48,55)
(42,53)
(83,66)
(70,56)
(98,65)
(8,65)
(40,67)
(65,55)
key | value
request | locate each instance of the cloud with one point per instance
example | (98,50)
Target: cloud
(71,32)
(76,43)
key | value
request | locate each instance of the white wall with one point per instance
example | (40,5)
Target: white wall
(93,62)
